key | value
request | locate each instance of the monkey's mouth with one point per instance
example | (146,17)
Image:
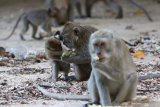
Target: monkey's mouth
(102,59)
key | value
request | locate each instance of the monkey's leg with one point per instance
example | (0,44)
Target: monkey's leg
(66,78)
(70,11)
(128,90)
(54,73)
(25,28)
(93,89)
(116,7)
(47,28)
(82,71)
(142,8)
(104,94)
(34,33)
(133,87)
(66,70)
(158,1)
(79,8)
(88,7)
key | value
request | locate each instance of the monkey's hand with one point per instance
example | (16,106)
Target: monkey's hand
(71,56)
(68,54)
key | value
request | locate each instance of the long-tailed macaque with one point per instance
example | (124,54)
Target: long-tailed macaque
(76,37)
(113,78)
(34,18)
(63,10)
(114,6)
(54,51)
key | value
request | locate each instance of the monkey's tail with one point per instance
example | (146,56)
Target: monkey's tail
(142,8)
(129,44)
(14,28)
(62,96)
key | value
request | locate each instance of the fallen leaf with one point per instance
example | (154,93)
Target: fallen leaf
(139,54)
(139,12)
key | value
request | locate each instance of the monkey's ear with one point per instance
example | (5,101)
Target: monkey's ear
(76,31)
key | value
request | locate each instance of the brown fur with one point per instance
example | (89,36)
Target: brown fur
(76,37)
(62,9)
(54,51)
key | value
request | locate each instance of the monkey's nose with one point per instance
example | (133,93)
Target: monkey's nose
(99,53)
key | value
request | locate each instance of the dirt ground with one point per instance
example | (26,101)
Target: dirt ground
(18,79)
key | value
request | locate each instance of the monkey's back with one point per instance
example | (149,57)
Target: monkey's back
(38,17)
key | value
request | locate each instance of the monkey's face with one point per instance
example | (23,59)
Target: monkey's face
(101,50)
(101,46)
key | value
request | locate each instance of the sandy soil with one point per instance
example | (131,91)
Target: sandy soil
(138,26)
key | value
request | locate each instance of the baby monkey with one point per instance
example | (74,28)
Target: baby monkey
(54,51)
(113,78)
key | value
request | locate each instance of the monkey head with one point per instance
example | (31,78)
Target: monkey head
(73,35)
(54,44)
(101,45)
(53,48)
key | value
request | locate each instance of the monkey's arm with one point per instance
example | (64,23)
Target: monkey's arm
(77,58)
(142,8)
(104,93)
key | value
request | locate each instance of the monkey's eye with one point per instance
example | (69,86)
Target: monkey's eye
(95,44)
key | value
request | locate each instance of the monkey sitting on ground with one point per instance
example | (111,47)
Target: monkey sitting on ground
(34,18)
(113,78)
(76,37)
(54,51)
